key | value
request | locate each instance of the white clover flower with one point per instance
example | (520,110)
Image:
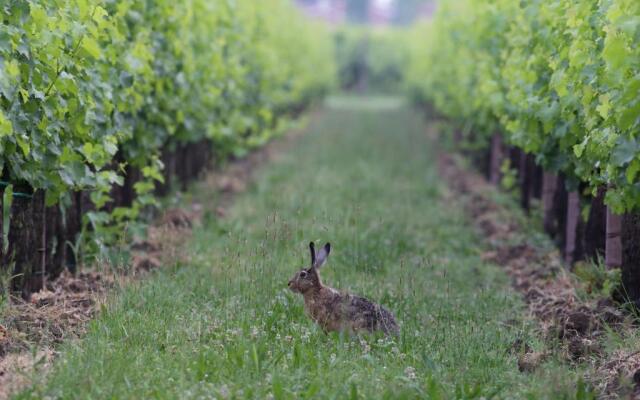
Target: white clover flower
(224,391)
(410,373)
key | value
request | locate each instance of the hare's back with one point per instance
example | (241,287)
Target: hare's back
(366,315)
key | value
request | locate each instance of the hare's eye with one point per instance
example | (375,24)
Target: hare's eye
(303,274)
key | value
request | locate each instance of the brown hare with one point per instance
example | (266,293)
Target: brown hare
(335,311)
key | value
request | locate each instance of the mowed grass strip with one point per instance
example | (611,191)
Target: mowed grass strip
(224,324)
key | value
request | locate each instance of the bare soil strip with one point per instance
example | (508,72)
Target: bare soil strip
(31,330)
(569,324)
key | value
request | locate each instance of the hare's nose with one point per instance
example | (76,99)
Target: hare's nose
(290,283)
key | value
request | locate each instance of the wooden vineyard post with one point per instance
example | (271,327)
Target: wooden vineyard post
(2,260)
(55,240)
(522,180)
(25,240)
(613,245)
(630,259)
(549,185)
(560,201)
(573,218)
(43,244)
(595,231)
(183,168)
(528,170)
(497,155)
(536,180)
(72,227)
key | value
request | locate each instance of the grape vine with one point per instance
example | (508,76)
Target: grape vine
(88,87)
(559,78)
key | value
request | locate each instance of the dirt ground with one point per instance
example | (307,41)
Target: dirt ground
(31,330)
(572,326)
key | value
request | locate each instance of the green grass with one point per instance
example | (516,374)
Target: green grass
(224,325)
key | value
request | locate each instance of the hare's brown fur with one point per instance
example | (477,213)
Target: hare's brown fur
(335,311)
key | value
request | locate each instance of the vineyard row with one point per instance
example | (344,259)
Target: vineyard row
(103,103)
(548,89)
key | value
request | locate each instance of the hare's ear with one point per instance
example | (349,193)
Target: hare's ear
(312,250)
(322,256)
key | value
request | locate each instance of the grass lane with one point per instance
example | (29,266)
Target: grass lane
(225,325)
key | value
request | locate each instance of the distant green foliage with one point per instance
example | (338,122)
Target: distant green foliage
(87,86)
(559,77)
(371,59)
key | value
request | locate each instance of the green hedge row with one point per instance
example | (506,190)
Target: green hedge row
(88,87)
(559,78)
